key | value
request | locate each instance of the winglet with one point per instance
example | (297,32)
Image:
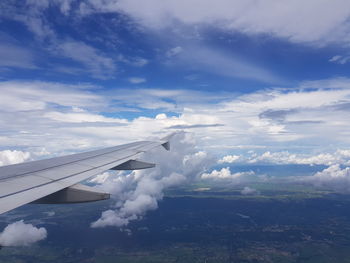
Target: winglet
(166,146)
(165,141)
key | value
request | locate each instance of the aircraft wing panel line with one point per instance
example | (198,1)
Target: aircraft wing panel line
(51,167)
(71,175)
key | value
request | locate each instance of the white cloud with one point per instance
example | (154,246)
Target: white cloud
(101,178)
(12,157)
(136,80)
(138,192)
(287,158)
(340,156)
(229,159)
(249,191)
(224,173)
(314,21)
(139,62)
(332,178)
(21,234)
(81,117)
(174,51)
(340,59)
(37,95)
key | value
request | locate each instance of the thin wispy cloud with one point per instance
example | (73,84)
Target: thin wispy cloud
(137,80)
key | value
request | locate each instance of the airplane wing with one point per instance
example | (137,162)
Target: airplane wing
(56,180)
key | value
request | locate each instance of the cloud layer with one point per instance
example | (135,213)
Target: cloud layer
(322,21)
(335,178)
(73,117)
(340,156)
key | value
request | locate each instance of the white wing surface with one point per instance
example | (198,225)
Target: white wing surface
(56,180)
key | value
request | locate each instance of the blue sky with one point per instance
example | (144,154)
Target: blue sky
(240,75)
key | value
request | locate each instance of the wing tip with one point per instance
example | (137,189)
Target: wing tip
(166,139)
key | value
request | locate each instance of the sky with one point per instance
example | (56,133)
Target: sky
(243,82)
(241,75)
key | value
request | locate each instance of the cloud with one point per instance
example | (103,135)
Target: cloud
(174,51)
(340,156)
(195,126)
(337,157)
(278,115)
(12,157)
(144,198)
(224,174)
(21,234)
(214,61)
(340,59)
(287,158)
(249,191)
(332,178)
(50,213)
(322,22)
(229,159)
(38,95)
(98,64)
(30,13)
(132,61)
(139,191)
(82,116)
(136,80)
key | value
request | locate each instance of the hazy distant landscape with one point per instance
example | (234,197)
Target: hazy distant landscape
(198,223)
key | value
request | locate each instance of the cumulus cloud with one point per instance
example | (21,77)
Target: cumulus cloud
(139,191)
(21,234)
(249,191)
(229,159)
(142,198)
(11,157)
(334,178)
(224,173)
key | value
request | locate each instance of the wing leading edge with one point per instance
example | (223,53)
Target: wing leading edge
(56,180)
